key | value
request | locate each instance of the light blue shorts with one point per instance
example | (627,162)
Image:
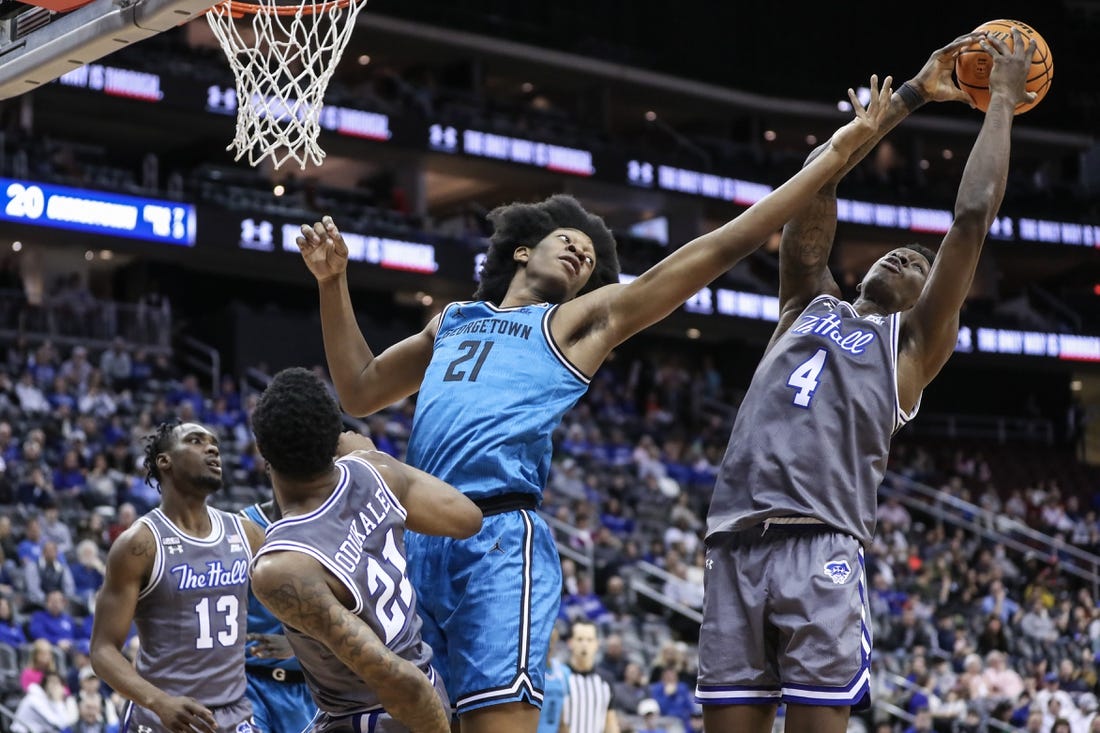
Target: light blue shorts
(488,604)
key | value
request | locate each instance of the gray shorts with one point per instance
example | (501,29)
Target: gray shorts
(236,717)
(785,618)
(374,722)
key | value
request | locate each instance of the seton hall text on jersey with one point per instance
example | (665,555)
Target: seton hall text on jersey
(828,326)
(216,575)
(491,326)
(359,529)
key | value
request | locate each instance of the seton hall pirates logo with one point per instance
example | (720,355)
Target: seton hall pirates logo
(838,570)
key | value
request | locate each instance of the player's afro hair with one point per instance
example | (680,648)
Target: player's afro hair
(297,424)
(522,224)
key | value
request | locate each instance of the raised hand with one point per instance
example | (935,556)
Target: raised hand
(1010,68)
(323,249)
(849,138)
(934,80)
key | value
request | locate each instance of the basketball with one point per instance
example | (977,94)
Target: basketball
(973,64)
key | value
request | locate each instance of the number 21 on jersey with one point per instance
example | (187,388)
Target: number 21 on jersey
(804,378)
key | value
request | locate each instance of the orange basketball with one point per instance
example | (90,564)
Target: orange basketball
(973,64)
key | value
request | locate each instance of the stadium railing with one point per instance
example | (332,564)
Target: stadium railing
(1014,535)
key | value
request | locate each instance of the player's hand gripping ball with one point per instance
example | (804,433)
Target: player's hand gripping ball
(972,65)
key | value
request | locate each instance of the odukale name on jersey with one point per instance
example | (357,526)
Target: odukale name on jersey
(360,528)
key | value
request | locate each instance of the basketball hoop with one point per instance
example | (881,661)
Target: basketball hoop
(282,69)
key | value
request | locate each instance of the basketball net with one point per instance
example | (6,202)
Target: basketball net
(282,69)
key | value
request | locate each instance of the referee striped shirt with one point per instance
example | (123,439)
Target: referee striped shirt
(588,702)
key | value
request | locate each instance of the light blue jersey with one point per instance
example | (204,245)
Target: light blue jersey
(281,702)
(495,390)
(554,694)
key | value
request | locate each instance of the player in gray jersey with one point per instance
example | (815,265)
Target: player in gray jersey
(785,616)
(333,568)
(180,573)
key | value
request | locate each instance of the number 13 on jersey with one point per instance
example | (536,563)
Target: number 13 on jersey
(804,378)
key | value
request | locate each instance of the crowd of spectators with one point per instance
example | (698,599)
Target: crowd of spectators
(966,630)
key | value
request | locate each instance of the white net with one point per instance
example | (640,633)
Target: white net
(282,63)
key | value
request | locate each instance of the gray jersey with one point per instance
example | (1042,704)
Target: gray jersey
(358,535)
(192,614)
(813,433)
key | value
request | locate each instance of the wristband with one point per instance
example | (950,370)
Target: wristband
(910,97)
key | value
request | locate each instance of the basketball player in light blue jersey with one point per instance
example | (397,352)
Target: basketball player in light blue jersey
(495,375)
(281,702)
(180,573)
(785,616)
(555,692)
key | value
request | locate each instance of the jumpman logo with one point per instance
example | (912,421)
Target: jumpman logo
(497,548)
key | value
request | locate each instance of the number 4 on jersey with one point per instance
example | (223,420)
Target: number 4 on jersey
(804,378)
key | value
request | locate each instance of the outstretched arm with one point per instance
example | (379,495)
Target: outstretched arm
(590,326)
(433,506)
(808,237)
(933,83)
(293,587)
(931,327)
(364,383)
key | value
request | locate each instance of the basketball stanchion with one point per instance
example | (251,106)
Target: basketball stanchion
(282,63)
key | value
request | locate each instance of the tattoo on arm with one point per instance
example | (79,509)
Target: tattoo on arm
(142,546)
(309,605)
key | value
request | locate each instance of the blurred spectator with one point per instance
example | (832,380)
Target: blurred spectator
(613,660)
(88,572)
(54,529)
(673,695)
(91,720)
(91,693)
(11,632)
(46,708)
(102,482)
(40,662)
(999,604)
(993,637)
(48,574)
(115,364)
(31,399)
(76,370)
(630,689)
(54,624)
(922,722)
(127,515)
(8,542)
(584,604)
(649,710)
(1001,682)
(11,576)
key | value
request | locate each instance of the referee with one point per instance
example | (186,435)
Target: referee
(588,707)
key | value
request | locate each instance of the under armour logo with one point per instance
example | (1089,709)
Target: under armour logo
(174,549)
(710,564)
(144,729)
(497,548)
